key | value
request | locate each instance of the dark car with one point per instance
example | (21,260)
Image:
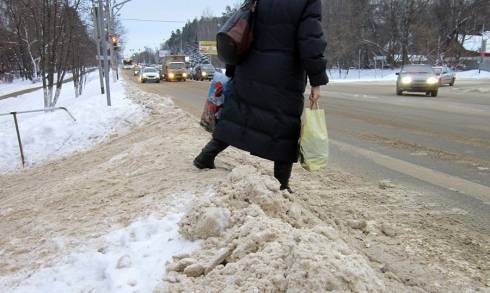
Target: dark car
(417,78)
(204,72)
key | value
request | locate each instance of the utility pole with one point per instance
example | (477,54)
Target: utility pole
(112,11)
(110,32)
(98,36)
(104,52)
(483,48)
(438,62)
(359,72)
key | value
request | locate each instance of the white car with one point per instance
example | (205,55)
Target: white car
(149,74)
(445,75)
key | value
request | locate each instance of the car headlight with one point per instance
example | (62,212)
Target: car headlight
(406,80)
(432,80)
(204,73)
(171,75)
(184,75)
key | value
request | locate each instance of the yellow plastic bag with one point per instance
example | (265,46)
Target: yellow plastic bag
(314,139)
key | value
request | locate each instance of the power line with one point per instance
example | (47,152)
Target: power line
(153,20)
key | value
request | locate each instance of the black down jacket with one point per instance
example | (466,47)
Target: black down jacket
(262,111)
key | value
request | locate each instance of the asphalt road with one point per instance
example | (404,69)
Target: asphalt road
(438,146)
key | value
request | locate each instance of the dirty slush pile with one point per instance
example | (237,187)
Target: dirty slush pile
(257,240)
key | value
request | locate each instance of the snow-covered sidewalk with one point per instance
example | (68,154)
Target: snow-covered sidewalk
(51,135)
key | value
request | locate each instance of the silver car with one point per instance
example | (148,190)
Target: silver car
(445,74)
(149,74)
(417,78)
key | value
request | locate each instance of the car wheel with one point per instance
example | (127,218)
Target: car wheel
(158,81)
(452,83)
(399,92)
(142,81)
(428,94)
(434,93)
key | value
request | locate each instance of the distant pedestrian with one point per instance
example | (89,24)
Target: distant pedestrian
(262,111)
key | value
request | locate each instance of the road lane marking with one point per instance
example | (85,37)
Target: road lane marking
(417,103)
(446,181)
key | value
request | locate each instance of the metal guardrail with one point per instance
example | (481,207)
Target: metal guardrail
(14,115)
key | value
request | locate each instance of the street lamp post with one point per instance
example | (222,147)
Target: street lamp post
(104,52)
(111,12)
(484,39)
(98,37)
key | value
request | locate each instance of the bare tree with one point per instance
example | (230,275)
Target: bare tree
(48,36)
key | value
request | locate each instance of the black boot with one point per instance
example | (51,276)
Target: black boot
(205,160)
(282,172)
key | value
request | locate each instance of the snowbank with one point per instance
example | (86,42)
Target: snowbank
(354,75)
(50,135)
(17,85)
(126,260)
(472,75)
(22,84)
(256,240)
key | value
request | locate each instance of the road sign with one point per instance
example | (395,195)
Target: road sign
(208,47)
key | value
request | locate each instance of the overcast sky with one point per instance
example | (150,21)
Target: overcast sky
(151,34)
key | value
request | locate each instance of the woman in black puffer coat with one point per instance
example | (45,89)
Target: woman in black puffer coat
(262,111)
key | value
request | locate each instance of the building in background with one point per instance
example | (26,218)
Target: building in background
(476,51)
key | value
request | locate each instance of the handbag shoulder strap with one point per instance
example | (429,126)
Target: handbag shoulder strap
(254,4)
(250,4)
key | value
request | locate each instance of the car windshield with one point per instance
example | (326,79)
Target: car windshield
(150,70)
(177,65)
(417,69)
(438,70)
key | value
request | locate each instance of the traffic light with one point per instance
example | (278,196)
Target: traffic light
(114,41)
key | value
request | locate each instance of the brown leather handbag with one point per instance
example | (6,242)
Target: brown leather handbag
(235,37)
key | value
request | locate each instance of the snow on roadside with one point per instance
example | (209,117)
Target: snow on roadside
(354,75)
(129,259)
(472,75)
(257,240)
(369,75)
(16,86)
(49,135)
